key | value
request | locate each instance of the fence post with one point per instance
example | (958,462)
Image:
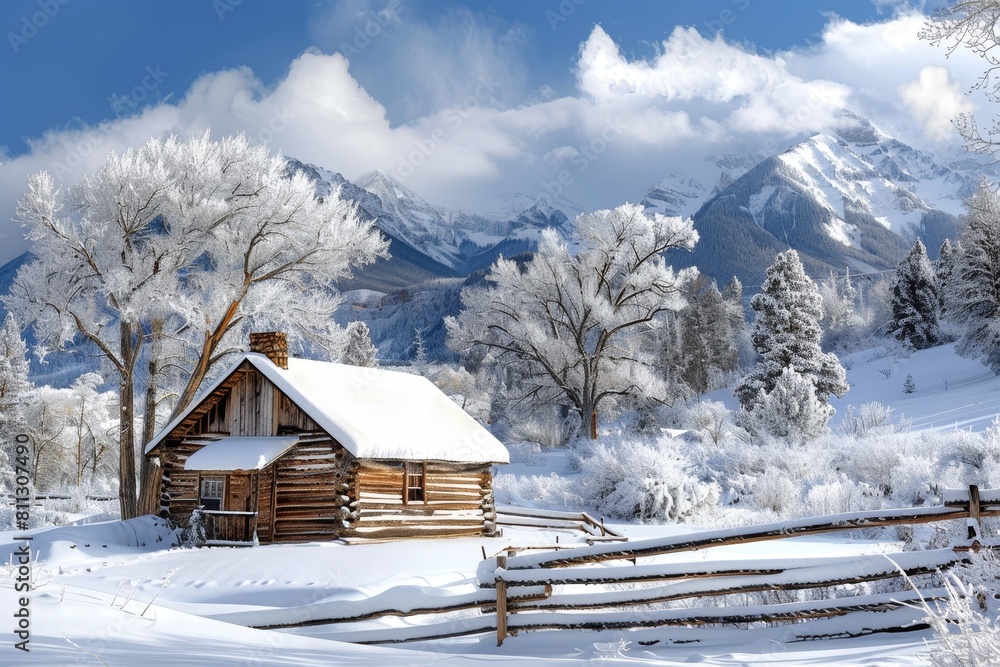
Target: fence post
(975,526)
(501,601)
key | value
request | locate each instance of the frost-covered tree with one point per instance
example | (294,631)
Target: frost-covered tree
(101,256)
(974,294)
(14,392)
(944,269)
(571,316)
(789,410)
(787,334)
(207,238)
(708,349)
(419,348)
(359,350)
(915,301)
(971,24)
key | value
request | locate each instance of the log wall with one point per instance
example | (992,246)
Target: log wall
(458,502)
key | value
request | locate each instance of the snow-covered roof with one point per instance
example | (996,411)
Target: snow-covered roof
(236,453)
(374,413)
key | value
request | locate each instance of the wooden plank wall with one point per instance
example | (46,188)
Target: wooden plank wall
(459,502)
(251,406)
(310,490)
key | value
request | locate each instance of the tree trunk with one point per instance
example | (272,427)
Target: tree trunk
(149,491)
(211,342)
(151,474)
(126,444)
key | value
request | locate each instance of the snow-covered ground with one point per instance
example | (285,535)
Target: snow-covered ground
(114,591)
(118,593)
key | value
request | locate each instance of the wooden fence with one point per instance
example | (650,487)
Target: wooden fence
(603,586)
(596,531)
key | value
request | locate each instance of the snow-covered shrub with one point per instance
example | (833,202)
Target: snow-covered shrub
(528,453)
(774,491)
(791,410)
(870,419)
(838,496)
(547,490)
(914,481)
(965,627)
(643,481)
(710,421)
(194,535)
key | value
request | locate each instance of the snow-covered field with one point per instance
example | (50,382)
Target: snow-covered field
(118,594)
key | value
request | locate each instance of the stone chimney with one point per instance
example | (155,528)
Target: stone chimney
(273,345)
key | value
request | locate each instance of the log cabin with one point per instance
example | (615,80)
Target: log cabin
(282,449)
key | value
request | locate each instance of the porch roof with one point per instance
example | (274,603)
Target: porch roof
(240,453)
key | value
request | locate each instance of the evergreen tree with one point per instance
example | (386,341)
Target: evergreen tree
(791,410)
(708,345)
(732,295)
(787,334)
(915,301)
(974,296)
(944,268)
(14,391)
(359,349)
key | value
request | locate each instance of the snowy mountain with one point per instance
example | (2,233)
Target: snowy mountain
(434,241)
(851,197)
(681,193)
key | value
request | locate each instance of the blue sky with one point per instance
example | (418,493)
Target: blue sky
(464,102)
(85,54)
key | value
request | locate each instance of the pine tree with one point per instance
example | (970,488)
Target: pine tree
(974,296)
(915,301)
(732,294)
(14,390)
(787,334)
(708,345)
(791,410)
(359,349)
(944,268)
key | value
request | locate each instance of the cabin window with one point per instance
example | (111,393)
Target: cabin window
(416,482)
(211,492)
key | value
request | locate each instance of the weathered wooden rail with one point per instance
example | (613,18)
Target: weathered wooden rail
(569,588)
(229,528)
(596,531)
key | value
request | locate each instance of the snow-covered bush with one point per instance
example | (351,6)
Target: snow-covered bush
(710,421)
(965,627)
(773,490)
(194,535)
(838,496)
(871,419)
(548,490)
(643,481)
(527,453)
(791,410)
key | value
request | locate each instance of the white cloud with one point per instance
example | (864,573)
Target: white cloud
(630,122)
(934,99)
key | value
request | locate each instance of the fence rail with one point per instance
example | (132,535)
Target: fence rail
(591,587)
(228,528)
